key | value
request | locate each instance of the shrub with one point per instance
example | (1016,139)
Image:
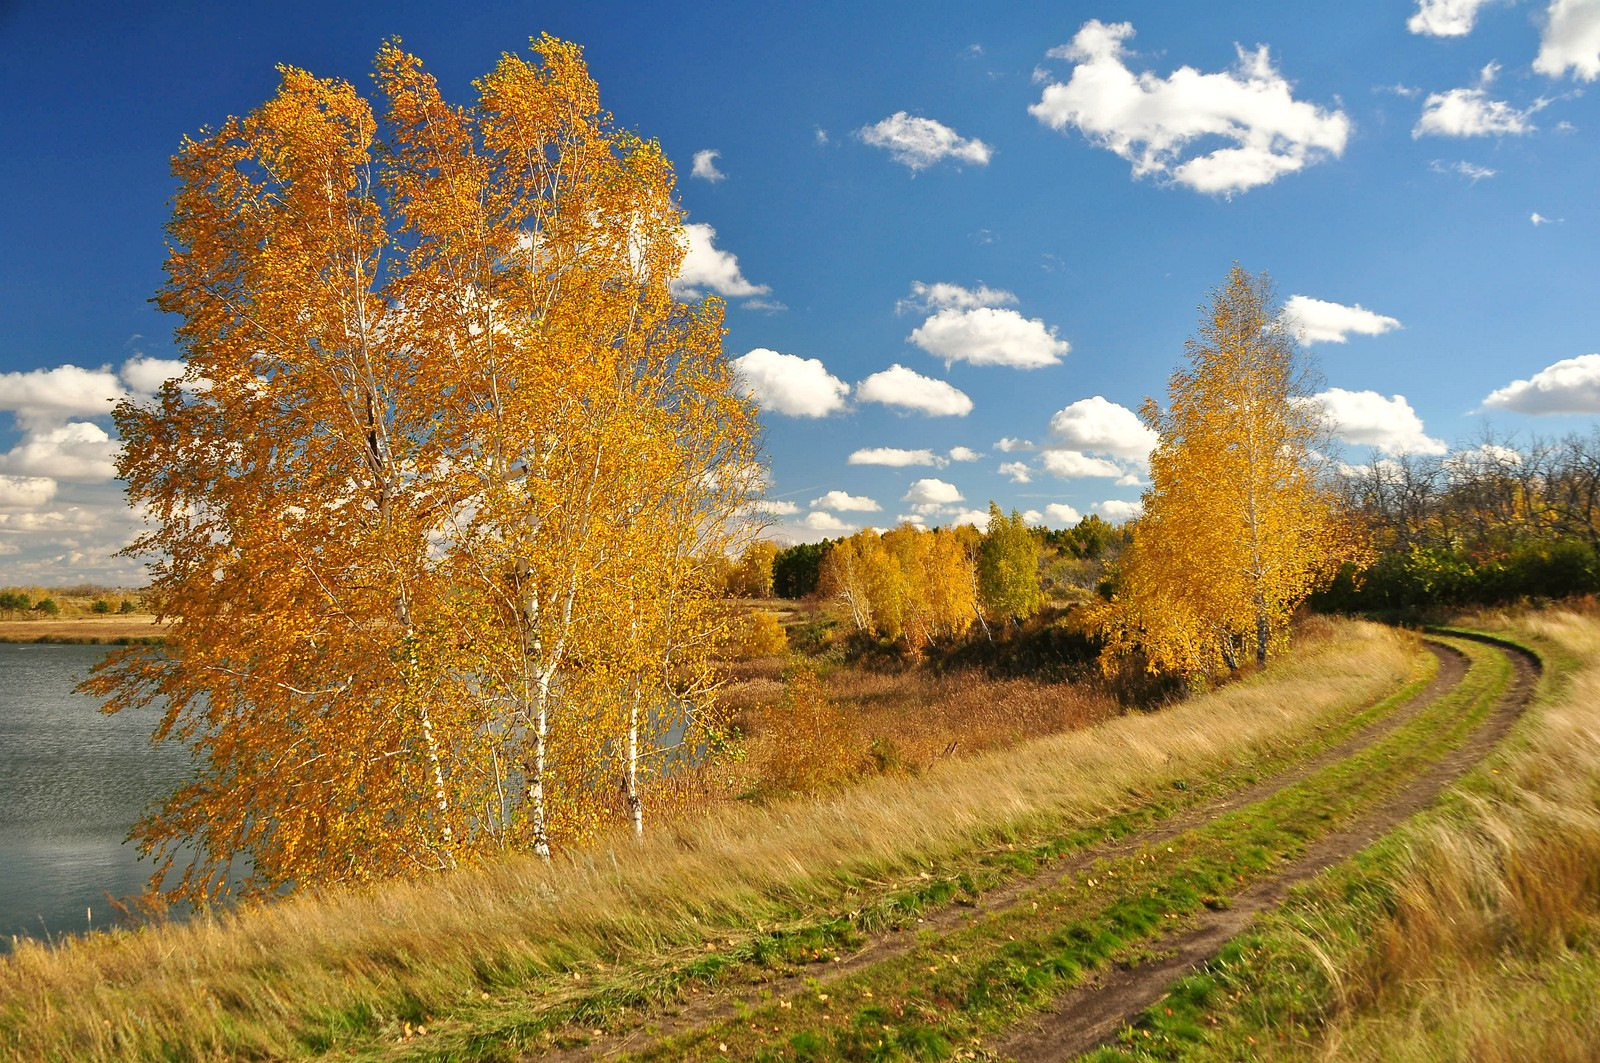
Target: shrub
(760,636)
(101,606)
(48,607)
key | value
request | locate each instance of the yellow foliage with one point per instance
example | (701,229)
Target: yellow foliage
(432,504)
(761,635)
(1238,525)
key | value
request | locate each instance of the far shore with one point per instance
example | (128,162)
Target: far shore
(98,630)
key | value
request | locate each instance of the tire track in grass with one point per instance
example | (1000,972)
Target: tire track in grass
(1089,1016)
(640,1032)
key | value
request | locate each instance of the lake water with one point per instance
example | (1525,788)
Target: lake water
(72,782)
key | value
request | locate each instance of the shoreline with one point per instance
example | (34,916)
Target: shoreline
(126,630)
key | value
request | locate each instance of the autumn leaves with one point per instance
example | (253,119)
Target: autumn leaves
(1239,521)
(433,506)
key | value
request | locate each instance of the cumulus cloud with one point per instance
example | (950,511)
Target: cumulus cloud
(1062,514)
(1480,460)
(44,398)
(1445,18)
(1570,40)
(1367,418)
(896,457)
(1319,321)
(1471,113)
(1018,471)
(790,384)
(910,390)
(1539,219)
(707,267)
(1571,385)
(1103,427)
(827,522)
(1010,445)
(845,503)
(1162,125)
(921,142)
(779,508)
(79,451)
(987,336)
(25,492)
(1116,510)
(964,454)
(705,166)
(941,295)
(932,492)
(978,518)
(145,375)
(1075,464)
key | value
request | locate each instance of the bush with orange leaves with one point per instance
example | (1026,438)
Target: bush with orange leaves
(804,743)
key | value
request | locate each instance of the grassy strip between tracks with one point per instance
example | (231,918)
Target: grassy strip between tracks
(1473,933)
(939,998)
(493,960)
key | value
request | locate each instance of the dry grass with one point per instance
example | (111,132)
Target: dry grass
(1492,950)
(88,628)
(270,982)
(1471,934)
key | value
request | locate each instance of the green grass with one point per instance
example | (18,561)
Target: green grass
(955,989)
(1473,933)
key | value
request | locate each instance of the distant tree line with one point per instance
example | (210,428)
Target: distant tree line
(1494,523)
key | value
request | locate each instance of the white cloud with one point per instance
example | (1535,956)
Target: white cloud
(920,142)
(896,457)
(942,295)
(1319,321)
(78,450)
(1468,170)
(1011,445)
(1062,514)
(26,492)
(827,522)
(1116,510)
(705,166)
(964,454)
(708,267)
(779,508)
(1539,219)
(987,336)
(1153,122)
(1481,459)
(906,388)
(145,375)
(931,492)
(1017,470)
(1445,18)
(1571,385)
(43,398)
(978,518)
(1075,464)
(845,503)
(1367,418)
(790,384)
(1471,113)
(1570,40)
(1103,427)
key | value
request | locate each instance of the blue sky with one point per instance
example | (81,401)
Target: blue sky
(1022,207)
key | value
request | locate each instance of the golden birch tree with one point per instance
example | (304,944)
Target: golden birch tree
(434,508)
(1238,524)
